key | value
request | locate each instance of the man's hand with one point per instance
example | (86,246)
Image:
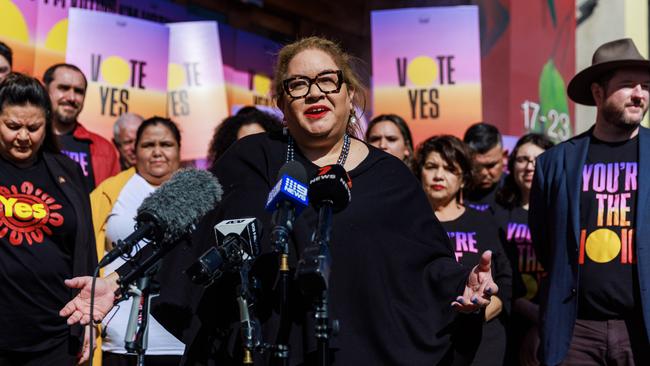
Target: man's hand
(78,309)
(479,287)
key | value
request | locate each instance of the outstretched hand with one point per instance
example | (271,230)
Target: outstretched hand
(78,309)
(479,287)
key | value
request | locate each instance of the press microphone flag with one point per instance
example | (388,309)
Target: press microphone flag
(238,241)
(171,211)
(289,188)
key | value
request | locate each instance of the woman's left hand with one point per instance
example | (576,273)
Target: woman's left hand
(479,287)
(84,355)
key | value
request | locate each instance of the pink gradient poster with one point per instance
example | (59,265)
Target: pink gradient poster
(52,30)
(196,87)
(125,61)
(426,65)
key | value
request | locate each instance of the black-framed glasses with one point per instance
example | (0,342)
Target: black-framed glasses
(327,82)
(525,160)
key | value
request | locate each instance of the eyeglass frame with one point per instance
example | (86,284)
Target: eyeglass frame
(312,81)
(525,159)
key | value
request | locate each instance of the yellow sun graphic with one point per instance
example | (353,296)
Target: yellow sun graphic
(175,76)
(57,37)
(422,71)
(12,22)
(115,71)
(603,245)
(261,84)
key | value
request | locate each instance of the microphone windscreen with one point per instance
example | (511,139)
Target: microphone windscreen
(180,203)
(295,170)
(331,185)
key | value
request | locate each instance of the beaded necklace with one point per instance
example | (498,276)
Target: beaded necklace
(342,158)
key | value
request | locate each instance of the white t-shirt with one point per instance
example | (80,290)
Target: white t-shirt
(121,223)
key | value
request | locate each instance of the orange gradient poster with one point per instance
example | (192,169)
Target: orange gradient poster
(125,61)
(18,30)
(426,65)
(196,89)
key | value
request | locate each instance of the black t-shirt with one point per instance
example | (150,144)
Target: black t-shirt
(37,228)
(527,271)
(79,151)
(484,199)
(470,235)
(607,230)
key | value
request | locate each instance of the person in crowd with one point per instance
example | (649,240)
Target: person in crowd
(45,231)
(489,157)
(95,155)
(589,223)
(124,131)
(527,273)
(393,277)
(389,132)
(115,202)
(443,165)
(248,121)
(6,60)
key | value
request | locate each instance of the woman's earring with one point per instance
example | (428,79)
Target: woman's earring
(353,118)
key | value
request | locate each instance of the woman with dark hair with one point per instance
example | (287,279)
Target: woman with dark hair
(512,214)
(45,231)
(248,121)
(393,281)
(443,165)
(389,132)
(115,202)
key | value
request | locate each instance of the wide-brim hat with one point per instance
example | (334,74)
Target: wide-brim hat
(618,54)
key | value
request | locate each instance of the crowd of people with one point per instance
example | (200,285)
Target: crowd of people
(451,252)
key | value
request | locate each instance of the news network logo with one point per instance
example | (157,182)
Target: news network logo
(295,189)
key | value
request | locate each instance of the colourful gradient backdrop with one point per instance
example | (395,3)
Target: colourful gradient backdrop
(428,32)
(197,42)
(248,62)
(125,38)
(18,30)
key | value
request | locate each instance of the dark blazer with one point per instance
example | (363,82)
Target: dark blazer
(67,174)
(554,219)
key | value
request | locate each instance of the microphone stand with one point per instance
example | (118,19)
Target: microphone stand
(137,331)
(280,240)
(313,275)
(250,330)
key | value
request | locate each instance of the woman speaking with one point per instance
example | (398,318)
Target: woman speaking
(393,278)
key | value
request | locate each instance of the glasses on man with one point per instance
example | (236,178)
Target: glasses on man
(524,160)
(327,82)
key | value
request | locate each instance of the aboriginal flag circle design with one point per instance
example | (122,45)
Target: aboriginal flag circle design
(26,215)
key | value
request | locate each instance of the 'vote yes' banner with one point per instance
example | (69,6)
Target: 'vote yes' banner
(427,68)
(125,60)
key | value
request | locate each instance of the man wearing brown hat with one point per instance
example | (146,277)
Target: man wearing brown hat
(590,223)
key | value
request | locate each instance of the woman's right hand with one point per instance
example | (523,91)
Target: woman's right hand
(78,309)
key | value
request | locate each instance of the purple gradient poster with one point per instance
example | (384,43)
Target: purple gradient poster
(196,87)
(248,67)
(125,60)
(427,68)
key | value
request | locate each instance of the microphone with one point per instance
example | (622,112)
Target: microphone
(238,242)
(329,192)
(286,200)
(331,186)
(171,211)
